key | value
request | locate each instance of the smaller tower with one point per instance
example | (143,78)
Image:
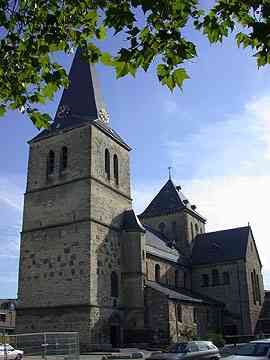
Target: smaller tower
(171,213)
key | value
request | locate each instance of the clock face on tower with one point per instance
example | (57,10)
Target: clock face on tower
(103,115)
(63,112)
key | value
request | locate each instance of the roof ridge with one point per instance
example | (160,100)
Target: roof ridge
(223,230)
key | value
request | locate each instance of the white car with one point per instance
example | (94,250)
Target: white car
(192,350)
(254,350)
(7,352)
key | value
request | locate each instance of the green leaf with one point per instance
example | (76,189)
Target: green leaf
(179,76)
(2,110)
(162,70)
(122,69)
(170,83)
(49,90)
(101,33)
(40,120)
(106,59)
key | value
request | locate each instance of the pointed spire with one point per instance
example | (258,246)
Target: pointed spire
(169,200)
(81,101)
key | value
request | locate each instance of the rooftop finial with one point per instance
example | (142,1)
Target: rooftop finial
(170,170)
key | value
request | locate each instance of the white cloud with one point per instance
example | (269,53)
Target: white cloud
(143,194)
(11,192)
(232,201)
(237,143)
(11,199)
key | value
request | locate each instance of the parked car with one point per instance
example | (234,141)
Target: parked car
(8,352)
(189,350)
(259,349)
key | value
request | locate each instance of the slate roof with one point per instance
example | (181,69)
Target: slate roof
(181,295)
(131,222)
(157,245)
(220,246)
(80,103)
(169,200)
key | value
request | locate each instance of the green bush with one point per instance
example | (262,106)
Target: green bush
(216,339)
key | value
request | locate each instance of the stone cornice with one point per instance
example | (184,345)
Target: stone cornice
(44,188)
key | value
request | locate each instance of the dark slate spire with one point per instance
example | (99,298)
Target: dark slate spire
(169,200)
(81,101)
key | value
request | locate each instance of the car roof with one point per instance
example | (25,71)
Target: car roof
(266,341)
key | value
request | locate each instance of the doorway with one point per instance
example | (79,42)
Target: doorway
(115,336)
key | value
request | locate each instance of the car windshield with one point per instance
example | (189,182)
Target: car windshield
(253,349)
(177,348)
(5,347)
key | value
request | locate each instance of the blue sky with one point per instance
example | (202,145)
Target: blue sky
(215,135)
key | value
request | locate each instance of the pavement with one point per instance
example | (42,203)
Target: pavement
(127,353)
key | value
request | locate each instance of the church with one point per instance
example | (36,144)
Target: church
(88,263)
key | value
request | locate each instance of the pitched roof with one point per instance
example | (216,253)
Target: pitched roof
(131,223)
(158,245)
(81,103)
(181,295)
(220,246)
(169,200)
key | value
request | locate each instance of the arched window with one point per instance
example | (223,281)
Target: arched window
(258,289)
(226,278)
(157,273)
(107,164)
(64,158)
(196,228)
(253,287)
(161,227)
(114,285)
(179,313)
(115,169)
(192,231)
(215,277)
(51,161)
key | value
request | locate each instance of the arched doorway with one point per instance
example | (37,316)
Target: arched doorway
(115,330)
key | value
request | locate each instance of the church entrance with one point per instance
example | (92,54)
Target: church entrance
(115,336)
(116,330)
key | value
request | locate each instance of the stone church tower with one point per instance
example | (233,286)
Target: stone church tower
(78,187)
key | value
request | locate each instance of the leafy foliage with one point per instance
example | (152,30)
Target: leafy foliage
(31,31)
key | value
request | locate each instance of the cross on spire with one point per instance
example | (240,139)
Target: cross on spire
(170,170)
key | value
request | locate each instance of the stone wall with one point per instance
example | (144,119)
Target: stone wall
(178,228)
(167,272)
(231,294)
(253,263)
(157,314)
(78,143)
(181,329)
(56,319)
(55,266)
(100,142)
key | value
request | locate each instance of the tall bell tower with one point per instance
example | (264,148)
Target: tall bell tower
(78,187)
